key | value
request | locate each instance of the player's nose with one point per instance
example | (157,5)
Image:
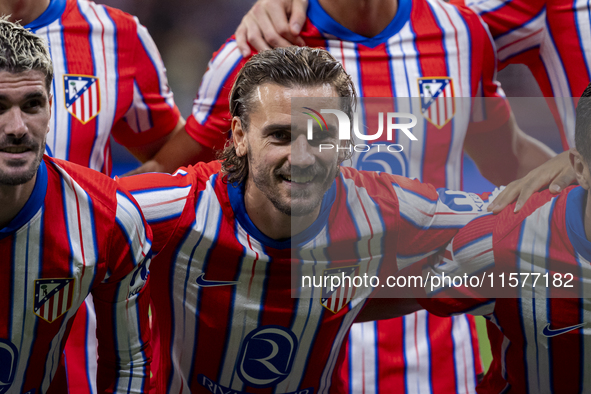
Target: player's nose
(301,154)
(13,122)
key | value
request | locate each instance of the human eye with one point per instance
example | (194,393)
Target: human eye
(281,135)
(33,105)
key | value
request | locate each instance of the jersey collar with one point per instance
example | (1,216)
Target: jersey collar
(32,205)
(236,195)
(55,10)
(575,213)
(326,24)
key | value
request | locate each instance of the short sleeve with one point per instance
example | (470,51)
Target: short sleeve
(209,123)
(153,113)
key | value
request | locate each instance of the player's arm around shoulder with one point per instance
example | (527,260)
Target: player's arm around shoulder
(121,301)
(429,217)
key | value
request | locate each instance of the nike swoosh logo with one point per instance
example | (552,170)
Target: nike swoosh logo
(201,281)
(552,333)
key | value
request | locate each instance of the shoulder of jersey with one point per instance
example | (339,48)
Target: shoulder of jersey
(126,23)
(99,187)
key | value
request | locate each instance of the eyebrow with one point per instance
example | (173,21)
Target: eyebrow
(277,127)
(28,96)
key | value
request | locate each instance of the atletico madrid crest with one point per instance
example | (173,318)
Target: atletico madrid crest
(337,297)
(82,96)
(437,100)
(53,297)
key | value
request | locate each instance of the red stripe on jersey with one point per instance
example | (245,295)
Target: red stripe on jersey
(79,61)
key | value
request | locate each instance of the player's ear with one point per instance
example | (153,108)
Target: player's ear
(580,167)
(50,104)
(238,136)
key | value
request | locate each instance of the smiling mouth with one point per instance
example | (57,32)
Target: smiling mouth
(298,179)
(15,149)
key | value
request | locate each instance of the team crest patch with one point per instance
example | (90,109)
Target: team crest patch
(53,297)
(437,100)
(335,299)
(82,96)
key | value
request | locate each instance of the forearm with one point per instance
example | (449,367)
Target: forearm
(181,150)
(507,153)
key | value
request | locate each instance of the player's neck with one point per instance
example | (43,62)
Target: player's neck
(25,11)
(269,220)
(13,199)
(364,17)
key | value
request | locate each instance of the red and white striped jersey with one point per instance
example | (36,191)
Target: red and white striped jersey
(551,37)
(78,234)
(109,79)
(428,40)
(224,306)
(540,344)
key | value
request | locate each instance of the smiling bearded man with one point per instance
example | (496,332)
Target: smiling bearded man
(229,235)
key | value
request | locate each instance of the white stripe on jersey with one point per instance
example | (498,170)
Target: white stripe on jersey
(138,115)
(346,54)
(60,119)
(214,78)
(525,37)
(416,352)
(402,50)
(154,55)
(363,353)
(485,5)
(162,204)
(583,15)
(186,263)
(463,355)
(309,311)
(456,39)
(560,86)
(80,227)
(325,381)
(129,218)
(248,303)
(26,244)
(533,246)
(102,43)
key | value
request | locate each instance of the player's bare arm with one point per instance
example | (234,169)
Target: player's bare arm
(180,150)
(148,152)
(556,174)
(506,153)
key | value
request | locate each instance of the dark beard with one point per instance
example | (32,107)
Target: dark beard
(11,180)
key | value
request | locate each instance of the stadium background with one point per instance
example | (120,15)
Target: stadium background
(187,32)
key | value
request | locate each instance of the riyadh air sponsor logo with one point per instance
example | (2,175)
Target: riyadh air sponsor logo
(8,364)
(548,332)
(386,122)
(267,356)
(201,281)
